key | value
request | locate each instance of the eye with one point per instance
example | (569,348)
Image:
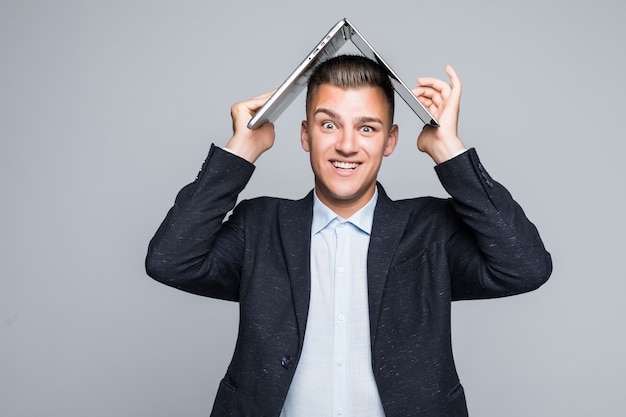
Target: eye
(328,125)
(367,129)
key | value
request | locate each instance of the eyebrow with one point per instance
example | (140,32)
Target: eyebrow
(328,112)
(366,119)
(361,119)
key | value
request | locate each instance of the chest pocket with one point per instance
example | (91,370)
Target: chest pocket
(418,292)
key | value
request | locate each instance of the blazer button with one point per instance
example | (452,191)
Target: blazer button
(286,361)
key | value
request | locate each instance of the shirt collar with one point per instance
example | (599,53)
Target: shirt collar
(323,215)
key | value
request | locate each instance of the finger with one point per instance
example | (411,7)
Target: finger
(264,95)
(429,94)
(426,102)
(430,105)
(425,91)
(258,101)
(252,105)
(455,81)
(435,83)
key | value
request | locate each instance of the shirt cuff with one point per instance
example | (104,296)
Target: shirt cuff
(458,153)
(228,150)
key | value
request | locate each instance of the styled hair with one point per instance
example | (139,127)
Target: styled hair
(351,71)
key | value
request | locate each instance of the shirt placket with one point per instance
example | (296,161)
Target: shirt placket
(340,319)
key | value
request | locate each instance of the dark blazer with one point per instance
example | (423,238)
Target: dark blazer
(423,254)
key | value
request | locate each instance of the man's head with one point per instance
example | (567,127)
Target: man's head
(348,130)
(351,71)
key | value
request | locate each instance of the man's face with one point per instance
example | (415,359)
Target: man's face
(347,133)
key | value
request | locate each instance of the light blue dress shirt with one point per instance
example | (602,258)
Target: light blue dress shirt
(334,376)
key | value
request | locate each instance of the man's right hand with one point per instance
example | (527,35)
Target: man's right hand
(250,143)
(443,100)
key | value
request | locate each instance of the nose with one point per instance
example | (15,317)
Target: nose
(347,142)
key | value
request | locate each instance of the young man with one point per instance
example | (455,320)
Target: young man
(345,295)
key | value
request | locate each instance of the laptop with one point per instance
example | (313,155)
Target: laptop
(342,32)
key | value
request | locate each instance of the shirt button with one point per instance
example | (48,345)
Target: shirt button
(340,362)
(340,411)
(340,269)
(341,317)
(286,361)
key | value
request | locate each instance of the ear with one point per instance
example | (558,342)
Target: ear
(392,140)
(304,136)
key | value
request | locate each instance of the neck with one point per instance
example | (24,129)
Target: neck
(345,208)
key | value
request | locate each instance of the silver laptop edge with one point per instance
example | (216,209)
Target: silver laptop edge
(401,88)
(338,35)
(297,80)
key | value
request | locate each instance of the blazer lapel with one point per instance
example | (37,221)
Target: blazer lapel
(295,231)
(387,229)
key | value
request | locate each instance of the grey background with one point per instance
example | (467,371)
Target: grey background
(108,108)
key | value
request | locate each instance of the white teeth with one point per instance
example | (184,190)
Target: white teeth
(345,165)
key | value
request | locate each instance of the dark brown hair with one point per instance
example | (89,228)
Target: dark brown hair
(350,71)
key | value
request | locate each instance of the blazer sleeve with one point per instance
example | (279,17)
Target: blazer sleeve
(493,249)
(193,249)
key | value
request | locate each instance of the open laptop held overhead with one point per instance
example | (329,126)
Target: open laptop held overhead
(338,35)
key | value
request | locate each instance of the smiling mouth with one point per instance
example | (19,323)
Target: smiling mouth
(345,165)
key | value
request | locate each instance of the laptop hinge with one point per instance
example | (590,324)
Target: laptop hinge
(346,31)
